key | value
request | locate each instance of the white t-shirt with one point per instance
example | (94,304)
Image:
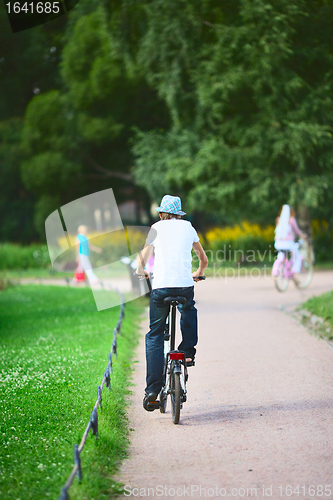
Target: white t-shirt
(172,240)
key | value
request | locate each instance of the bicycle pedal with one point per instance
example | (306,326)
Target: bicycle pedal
(183,398)
(153,405)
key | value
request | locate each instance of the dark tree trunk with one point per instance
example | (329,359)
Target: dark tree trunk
(304,221)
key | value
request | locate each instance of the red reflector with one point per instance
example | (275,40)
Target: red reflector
(176,355)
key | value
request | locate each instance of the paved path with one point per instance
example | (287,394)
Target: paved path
(260,403)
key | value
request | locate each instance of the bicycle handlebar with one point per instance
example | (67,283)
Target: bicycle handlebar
(141,276)
(199,278)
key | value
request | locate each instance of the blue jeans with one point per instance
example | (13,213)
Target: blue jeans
(155,336)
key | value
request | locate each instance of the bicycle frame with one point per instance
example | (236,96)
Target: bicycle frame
(174,365)
(283,273)
(288,264)
(174,359)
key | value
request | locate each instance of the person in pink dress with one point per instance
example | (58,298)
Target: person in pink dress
(286,232)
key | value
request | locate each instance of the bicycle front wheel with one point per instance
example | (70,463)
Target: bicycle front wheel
(280,280)
(175,396)
(304,278)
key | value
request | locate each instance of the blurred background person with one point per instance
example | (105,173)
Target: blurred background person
(82,257)
(286,232)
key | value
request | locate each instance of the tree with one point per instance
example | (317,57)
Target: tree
(49,168)
(28,65)
(76,139)
(16,205)
(259,83)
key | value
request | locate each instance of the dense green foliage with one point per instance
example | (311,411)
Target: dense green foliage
(249,86)
(54,347)
(28,65)
(228,104)
(16,204)
(23,257)
(67,114)
(76,139)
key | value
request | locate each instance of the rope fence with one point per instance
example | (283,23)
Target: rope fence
(93,422)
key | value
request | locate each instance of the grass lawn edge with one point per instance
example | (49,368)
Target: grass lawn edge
(100,458)
(316,314)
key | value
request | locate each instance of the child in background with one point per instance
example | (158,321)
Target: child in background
(82,257)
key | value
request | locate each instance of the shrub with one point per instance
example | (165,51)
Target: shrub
(18,257)
(252,242)
(322,240)
(245,242)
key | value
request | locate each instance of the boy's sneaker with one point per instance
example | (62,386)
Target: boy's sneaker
(150,397)
(190,361)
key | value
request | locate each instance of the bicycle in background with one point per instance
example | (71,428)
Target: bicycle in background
(282,269)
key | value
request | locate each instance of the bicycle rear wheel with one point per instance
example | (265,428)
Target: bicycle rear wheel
(280,280)
(304,278)
(175,396)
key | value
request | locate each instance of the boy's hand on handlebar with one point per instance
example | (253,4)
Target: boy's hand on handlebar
(198,276)
(142,273)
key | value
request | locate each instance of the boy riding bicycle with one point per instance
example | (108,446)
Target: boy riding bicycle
(172,239)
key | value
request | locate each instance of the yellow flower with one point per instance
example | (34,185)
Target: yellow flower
(245,229)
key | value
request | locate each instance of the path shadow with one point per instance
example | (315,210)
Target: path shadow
(236,412)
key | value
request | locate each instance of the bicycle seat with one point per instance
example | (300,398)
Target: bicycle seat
(174,301)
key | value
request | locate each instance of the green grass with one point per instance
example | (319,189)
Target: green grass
(321,306)
(54,348)
(118,271)
(17,274)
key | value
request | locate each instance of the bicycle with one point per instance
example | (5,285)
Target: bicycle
(175,366)
(282,270)
(175,373)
